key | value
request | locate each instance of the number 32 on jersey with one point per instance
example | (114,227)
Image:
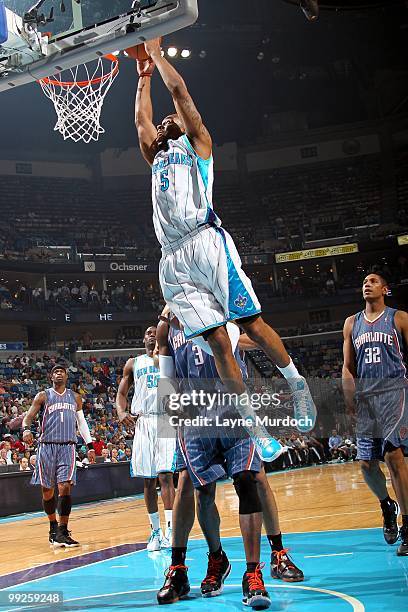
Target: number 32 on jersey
(372,354)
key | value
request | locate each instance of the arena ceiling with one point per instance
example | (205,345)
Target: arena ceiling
(251,61)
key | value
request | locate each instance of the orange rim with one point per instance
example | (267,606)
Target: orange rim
(95,81)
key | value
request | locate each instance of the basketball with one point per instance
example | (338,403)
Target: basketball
(138,53)
(15,423)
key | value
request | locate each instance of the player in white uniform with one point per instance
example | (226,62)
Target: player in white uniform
(200,271)
(152,456)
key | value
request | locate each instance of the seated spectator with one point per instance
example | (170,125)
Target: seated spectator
(121,450)
(24,467)
(105,456)
(5,448)
(15,457)
(337,447)
(33,461)
(98,445)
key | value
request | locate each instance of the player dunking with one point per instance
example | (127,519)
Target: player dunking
(374,376)
(200,271)
(56,459)
(152,456)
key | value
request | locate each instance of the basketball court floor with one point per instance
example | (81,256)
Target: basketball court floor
(331,525)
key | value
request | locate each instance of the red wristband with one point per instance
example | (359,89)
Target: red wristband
(145,74)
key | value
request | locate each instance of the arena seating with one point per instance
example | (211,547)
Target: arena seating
(294,205)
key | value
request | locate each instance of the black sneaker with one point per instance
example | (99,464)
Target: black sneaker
(254,593)
(52,533)
(390,522)
(403,547)
(217,571)
(176,586)
(63,538)
(283,568)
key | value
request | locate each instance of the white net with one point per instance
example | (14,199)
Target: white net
(78,95)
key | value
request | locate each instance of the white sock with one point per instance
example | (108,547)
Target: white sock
(290,372)
(154,521)
(168,514)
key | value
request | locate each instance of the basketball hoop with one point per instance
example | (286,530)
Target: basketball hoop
(78,95)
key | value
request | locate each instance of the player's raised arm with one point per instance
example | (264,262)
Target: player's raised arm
(349,365)
(185,107)
(146,130)
(32,412)
(122,395)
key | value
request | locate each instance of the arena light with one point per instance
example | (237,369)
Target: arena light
(172,51)
(186,53)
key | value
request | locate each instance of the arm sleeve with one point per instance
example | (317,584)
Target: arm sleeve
(166,366)
(83,427)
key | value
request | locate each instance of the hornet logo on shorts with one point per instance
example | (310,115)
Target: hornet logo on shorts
(403,433)
(241,301)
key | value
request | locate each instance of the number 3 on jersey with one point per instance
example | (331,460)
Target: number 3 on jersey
(198,355)
(164,181)
(372,355)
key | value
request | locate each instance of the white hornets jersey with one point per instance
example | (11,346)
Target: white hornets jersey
(182,184)
(145,377)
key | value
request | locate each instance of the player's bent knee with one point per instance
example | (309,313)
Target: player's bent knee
(206,495)
(246,487)
(150,483)
(218,340)
(393,456)
(185,484)
(166,478)
(47,493)
(64,505)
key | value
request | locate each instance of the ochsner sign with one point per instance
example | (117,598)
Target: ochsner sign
(115,266)
(118,266)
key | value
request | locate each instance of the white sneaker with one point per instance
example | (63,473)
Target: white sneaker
(304,407)
(153,543)
(166,540)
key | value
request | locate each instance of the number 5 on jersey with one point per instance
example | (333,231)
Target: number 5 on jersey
(164,181)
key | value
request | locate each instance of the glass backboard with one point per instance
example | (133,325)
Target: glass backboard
(73,15)
(48,36)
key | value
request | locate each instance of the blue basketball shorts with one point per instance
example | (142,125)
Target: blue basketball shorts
(381,418)
(55,463)
(208,459)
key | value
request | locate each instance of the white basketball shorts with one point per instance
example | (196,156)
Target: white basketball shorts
(151,454)
(203,283)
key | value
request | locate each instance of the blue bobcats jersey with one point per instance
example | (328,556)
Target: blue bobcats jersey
(379,352)
(59,417)
(192,362)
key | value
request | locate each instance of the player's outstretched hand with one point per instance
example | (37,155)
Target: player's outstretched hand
(153,46)
(145,67)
